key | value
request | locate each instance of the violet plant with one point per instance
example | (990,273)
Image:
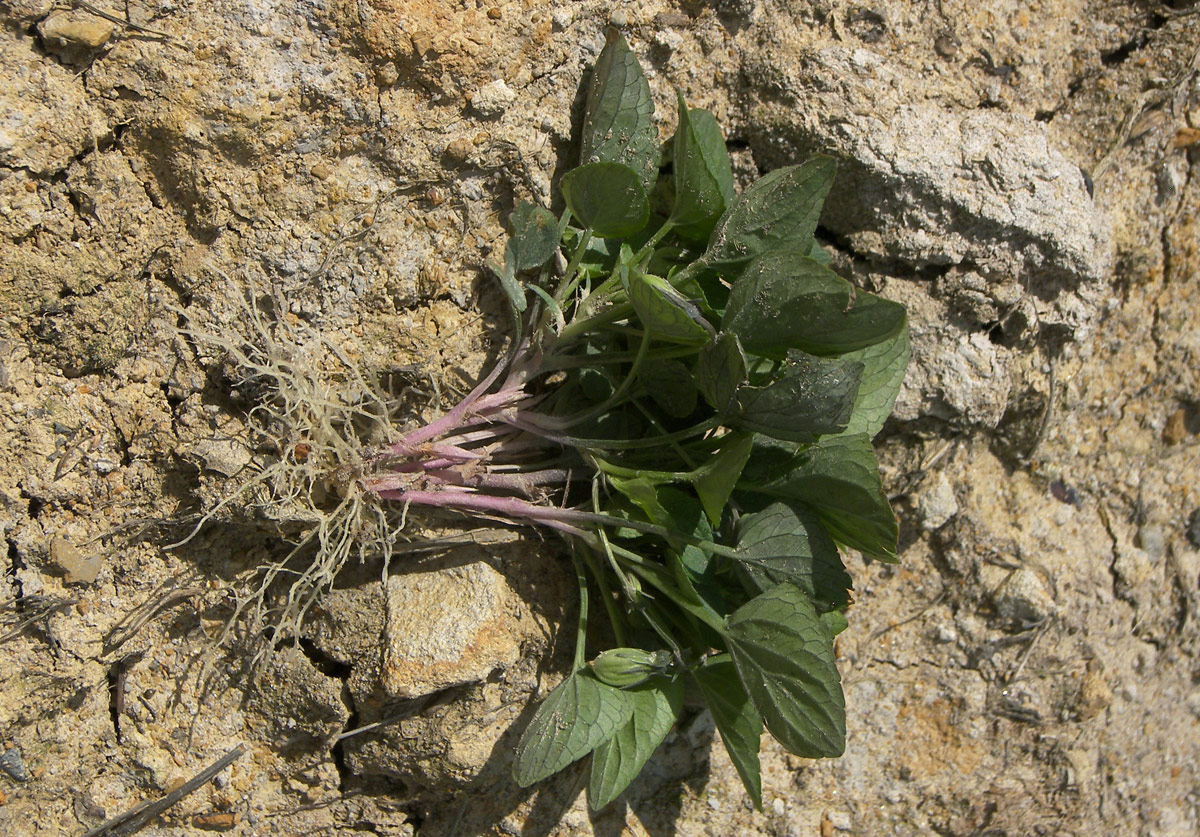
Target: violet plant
(689,400)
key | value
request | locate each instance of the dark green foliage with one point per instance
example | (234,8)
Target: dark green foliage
(692,400)
(803,367)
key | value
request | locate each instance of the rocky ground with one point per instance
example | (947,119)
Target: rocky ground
(1022,175)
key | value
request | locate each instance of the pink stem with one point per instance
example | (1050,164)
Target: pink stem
(509,507)
(454,418)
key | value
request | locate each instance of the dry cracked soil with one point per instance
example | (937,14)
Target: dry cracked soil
(1023,176)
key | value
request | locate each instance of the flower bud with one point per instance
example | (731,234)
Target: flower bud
(626,667)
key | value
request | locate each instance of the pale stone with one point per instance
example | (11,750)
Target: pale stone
(447,627)
(493,99)
(937,504)
(1024,598)
(77,568)
(78,29)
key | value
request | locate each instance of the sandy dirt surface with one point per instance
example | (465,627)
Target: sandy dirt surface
(1022,175)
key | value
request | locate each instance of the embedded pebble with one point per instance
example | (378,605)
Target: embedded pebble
(215,820)
(222,456)
(840,820)
(937,505)
(493,99)
(1152,539)
(1023,598)
(77,568)
(945,634)
(12,764)
(457,151)
(668,40)
(77,29)
(387,75)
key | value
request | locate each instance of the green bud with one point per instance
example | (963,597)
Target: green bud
(626,667)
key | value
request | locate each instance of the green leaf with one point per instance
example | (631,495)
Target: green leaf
(669,382)
(607,198)
(617,424)
(599,257)
(534,237)
(618,761)
(736,718)
(720,474)
(643,493)
(695,569)
(720,370)
(817,254)
(835,621)
(666,313)
(618,119)
(512,288)
(839,477)
(784,654)
(780,210)
(681,512)
(785,300)
(703,174)
(706,286)
(787,543)
(576,718)
(884,365)
(595,384)
(814,396)
(772,461)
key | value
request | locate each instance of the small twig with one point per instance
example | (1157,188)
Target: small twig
(1047,414)
(137,27)
(124,630)
(1029,650)
(39,607)
(923,469)
(368,727)
(139,816)
(1166,11)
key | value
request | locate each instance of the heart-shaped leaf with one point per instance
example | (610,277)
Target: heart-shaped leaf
(884,365)
(576,718)
(811,397)
(839,477)
(779,211)
(785,300)
(618,118)
(703,175)
(616,762)
(533,239)
(787,543)
(720,370)
(666,313)
(784,655)
(607,198)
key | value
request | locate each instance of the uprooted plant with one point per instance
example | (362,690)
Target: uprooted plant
(689,400)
